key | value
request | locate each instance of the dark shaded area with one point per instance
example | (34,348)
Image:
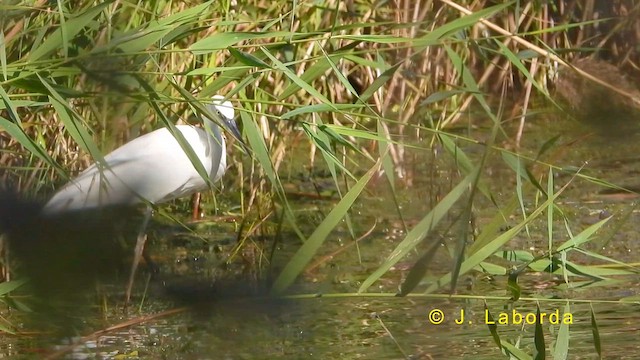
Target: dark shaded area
(201,292)
(64,256)
(610,113)
(67,255)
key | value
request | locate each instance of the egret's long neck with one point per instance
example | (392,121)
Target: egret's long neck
(214,130)
(217,148)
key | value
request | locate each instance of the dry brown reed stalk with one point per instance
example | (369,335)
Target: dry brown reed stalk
(553,57)
(405,89)
(18,26)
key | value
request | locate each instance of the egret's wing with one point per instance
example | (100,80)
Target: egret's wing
(150,168)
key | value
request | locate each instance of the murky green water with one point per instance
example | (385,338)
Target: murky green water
(242,323)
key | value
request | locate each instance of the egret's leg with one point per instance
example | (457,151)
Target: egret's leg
(195,206)
(142,238)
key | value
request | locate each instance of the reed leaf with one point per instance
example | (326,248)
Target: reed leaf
(419,233)
(306,252)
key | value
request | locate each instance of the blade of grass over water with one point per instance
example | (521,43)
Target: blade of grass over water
(539,349)
(595,332)
(550,214)
(472,85)
(490,248)
(420,232)
(462,161)
(419,269)
(259,148)
(320,138)
(387,165)
(309,249)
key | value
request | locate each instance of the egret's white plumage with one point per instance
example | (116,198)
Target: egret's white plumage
(151,168)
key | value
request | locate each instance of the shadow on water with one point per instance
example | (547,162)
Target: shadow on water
(66,256)
(63,256)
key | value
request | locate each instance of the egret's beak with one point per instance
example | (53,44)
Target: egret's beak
(231,125)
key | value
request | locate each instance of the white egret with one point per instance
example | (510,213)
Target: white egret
(150,169)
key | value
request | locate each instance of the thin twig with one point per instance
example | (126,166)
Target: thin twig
(123,325)
(328,257)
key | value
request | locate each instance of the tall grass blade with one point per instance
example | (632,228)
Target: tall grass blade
(15,129)
(419,232)
(71,28)
(539,348)
(550,213)
(157,31)
(595,332)
(63,29)
(493,328)
(306,252)
(584,236)
(3,56)
(379,82)
(248,59)
(9,286)
(261,153)
(387,166)
(220,41)
(296,79)
(154,98)
(435,37)
(317,69)
(514,352)
(319,108)
(72,122)
(480,254)
(419,269)
(462,162)
(561,348)
(321,140)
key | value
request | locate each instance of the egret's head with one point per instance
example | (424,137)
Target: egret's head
(223,109)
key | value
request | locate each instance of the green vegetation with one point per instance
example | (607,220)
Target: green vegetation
(363,85)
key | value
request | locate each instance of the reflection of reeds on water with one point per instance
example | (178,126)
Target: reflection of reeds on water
(595,104)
